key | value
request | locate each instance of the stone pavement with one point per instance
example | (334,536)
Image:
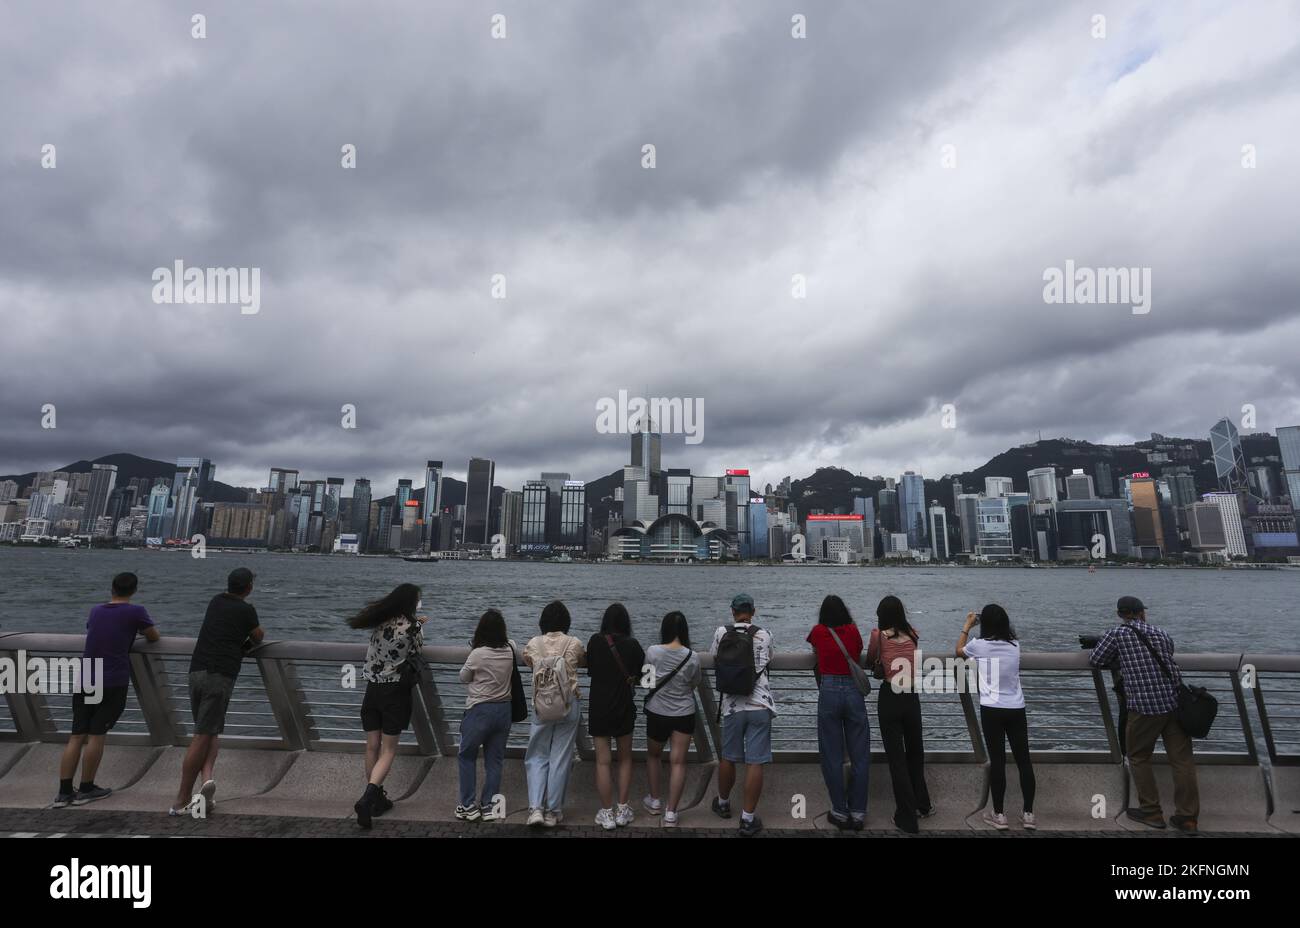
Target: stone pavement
(88,822)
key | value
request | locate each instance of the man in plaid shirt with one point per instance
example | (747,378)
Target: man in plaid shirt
(1151,697)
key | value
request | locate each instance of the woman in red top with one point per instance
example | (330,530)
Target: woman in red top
(842,726)
(892,652)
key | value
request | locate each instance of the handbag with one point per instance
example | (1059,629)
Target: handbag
(860,678)
(1196,707)
(518,703)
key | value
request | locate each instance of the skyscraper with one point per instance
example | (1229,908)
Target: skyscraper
(1105,480)
(478,500)
(646,448)
(1288,440)
(432,501)
(573,514)
(532,521)
(1042,485)
(203,474)
(1147,524)
(998,486)
(1230,510)
(512,508)
(1229,462)
(939,533)
(103,477)
(361,512)
(887,503)
(282,480)
(911,508)
(185,502)
(1079,486)
(968,514)
(156,523)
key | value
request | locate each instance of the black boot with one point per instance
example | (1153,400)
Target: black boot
(382,802)
(365,806)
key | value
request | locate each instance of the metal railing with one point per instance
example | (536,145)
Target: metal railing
(296,696)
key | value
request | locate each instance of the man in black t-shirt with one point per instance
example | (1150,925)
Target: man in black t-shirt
(230,622)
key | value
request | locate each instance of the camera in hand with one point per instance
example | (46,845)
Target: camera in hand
(1088,642)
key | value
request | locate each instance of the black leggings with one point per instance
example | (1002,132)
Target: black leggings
(1011,724)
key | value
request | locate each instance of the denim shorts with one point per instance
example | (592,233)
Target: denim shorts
(209,699)
(747,737)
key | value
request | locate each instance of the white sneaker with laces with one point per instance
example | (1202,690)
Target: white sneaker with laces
(997,820)
(605,819)
(552,819)
(536,817)
(1028,821)
(652,805)
(670,819)
(624,815)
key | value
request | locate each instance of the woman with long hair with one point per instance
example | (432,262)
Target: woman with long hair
(670,713)
(488,671)
(391,671)
(614,660)
(1002,708)
(842,725)
(554,657)
(892,652)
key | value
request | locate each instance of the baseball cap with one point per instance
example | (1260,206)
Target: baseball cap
(1129,604)
(742,602)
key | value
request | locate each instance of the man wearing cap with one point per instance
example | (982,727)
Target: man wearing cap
(1151,698)
(229,625)
(746,721)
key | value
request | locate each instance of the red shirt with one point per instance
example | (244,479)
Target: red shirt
(830,659)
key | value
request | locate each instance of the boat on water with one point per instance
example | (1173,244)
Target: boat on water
(422,558)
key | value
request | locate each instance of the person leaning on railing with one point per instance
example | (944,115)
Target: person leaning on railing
(1151,677)
(554,657)
(843,729)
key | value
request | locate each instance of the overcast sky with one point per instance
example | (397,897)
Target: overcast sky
(522,156)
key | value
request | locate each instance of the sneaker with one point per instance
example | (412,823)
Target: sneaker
(469,813)
(552,819)
(63,800)
(928,813)
(536,818)
(857,824)
(996,820)
(721,808)
(90,795)
(652,805)
(605,819)
(750,828)
(842,822)
(1028,821)
(491,815)
(185,810)
(623,815)
(1151,820)
(1184,823)
(382,802)
(670,819)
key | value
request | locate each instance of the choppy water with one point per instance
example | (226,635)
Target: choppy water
(309,597)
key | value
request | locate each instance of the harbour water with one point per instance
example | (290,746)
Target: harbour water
(309,597)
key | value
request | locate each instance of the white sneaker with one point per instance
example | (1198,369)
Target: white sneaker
(670,819)
(624,815)
(1028,821)
(605,819)
(652,805)
(536,817)
(997,820)
(209,791)
(552,819)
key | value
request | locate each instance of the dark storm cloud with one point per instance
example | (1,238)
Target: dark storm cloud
(522,157)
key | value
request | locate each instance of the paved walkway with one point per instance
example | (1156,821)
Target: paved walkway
(84,822)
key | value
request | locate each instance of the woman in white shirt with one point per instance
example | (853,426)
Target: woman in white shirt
(1002,707)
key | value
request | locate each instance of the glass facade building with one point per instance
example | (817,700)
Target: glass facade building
(478,500)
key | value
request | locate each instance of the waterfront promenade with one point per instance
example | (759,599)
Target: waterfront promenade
(290,762)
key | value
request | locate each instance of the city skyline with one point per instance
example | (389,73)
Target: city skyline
(909,190)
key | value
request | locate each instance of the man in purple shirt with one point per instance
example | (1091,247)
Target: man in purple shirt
(110,632)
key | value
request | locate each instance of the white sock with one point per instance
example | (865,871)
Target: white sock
(746,816)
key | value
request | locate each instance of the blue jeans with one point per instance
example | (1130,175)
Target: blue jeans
(549,758)
(843,728)
(486,725)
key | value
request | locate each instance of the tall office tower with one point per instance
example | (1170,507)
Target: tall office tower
(1020,511)
(646,446)
(677,491)
(758,545)
(887,503)
(573,514)
(1262,482)
(1229,462)
(1182,493)
(478,500)
(864,506)
(998,486)
(1042,485)
(361,512)
(103,477)
(8,490)
(1230,510)
(432,502)
(994,521)
(939,533)
(333,496)
(736,486)
(120,503)
(1079,486)
(1148,528)
(508,525)
(1105,480)
(185,503)
(555,482)
(401,497)
(203,475)
(1288,440)
(384,527)
(157,519)
(1205,530)
(911,508)
(282,480)
(532,521)
(968,514)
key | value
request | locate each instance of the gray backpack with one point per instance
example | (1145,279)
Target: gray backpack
(552,691)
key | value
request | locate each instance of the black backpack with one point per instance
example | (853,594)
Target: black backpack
(734,668)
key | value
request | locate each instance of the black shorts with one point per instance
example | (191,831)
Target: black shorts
(386,707)
(661,727)
(98,717)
